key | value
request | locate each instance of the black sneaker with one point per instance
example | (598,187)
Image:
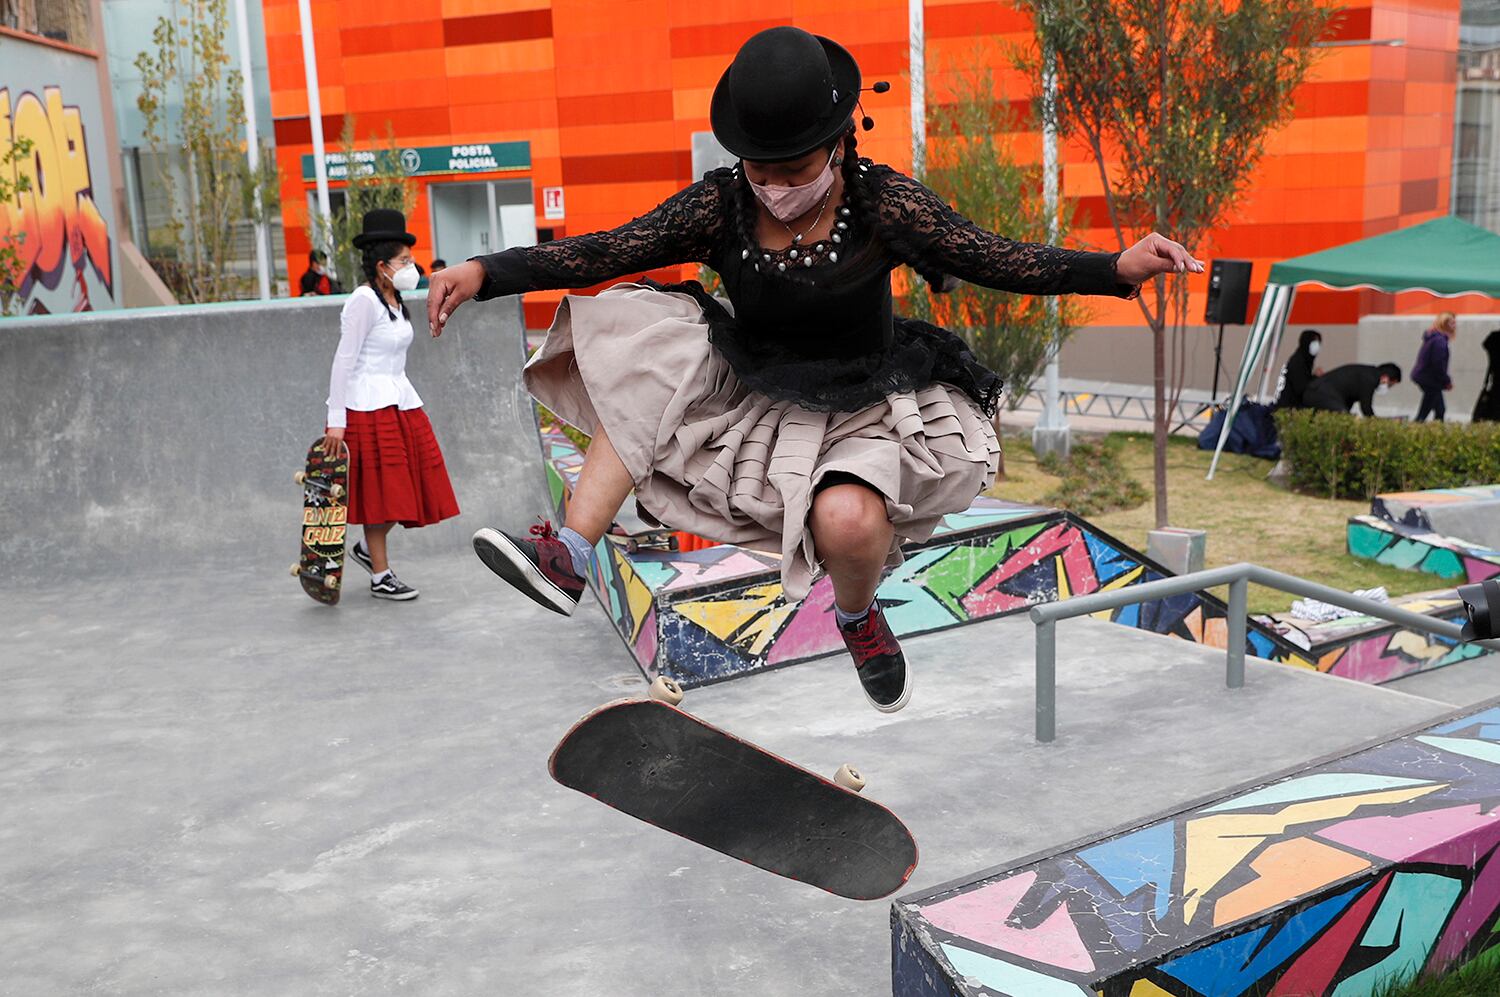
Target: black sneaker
(393,588)
(361,555)
(541,568)
(878,660)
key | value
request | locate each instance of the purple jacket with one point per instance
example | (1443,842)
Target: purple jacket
(1431,369)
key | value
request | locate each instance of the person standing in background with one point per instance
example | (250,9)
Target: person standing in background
(1487,408)
(1430,372)
(438,265)
(317,279)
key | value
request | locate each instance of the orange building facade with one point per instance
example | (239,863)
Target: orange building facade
(606,96)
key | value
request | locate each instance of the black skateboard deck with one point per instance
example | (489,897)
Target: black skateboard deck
(325,513)
(668,768)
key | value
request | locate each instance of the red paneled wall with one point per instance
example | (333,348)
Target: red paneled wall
(609,92)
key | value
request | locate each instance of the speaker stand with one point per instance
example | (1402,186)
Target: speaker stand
(1218,364)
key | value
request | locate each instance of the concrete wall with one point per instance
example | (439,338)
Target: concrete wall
(153,438)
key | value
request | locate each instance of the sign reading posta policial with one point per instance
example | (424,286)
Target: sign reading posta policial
(429,160)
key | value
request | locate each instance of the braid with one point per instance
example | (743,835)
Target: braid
(864,202)
(371,257)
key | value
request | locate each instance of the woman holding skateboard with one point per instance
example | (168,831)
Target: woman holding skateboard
(396,470)
(799,416)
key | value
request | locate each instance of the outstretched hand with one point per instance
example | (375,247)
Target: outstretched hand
(1155,254)
(449,288)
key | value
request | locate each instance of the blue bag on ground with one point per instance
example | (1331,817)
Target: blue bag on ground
(1253,432)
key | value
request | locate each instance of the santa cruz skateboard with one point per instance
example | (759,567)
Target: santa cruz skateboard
(325,513)
(660,764)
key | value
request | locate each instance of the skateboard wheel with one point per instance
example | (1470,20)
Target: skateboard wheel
(300,477)
(337,491)
(330,582)
(850,779)
(664,690)
(296,570)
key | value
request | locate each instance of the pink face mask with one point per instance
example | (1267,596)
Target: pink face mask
(788,203)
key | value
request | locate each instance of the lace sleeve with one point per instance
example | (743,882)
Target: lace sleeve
(682,229)
(940,239)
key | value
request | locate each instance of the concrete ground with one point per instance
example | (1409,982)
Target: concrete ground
(213,785)
(1463,683)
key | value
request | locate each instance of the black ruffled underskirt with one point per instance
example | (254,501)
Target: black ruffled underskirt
(920,355)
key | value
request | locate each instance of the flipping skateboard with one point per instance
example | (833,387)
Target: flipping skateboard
(325,486)
(662,765)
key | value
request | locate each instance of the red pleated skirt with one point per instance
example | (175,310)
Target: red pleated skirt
(396,470)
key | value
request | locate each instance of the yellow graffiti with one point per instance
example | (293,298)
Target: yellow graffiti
(56,217)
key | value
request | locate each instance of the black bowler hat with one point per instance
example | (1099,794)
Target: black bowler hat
(384,225)
(786,93)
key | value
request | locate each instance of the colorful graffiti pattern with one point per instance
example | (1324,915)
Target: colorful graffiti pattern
(1367,649)
(1375,866)
(705,615)
(55,222)
(1414,549)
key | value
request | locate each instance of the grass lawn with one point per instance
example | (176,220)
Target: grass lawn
(1480,978)
(1247,518)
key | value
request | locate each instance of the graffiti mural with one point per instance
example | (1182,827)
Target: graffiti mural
(60,227)
(1416,549)
(1375,866)
(703,615)
(1371,650)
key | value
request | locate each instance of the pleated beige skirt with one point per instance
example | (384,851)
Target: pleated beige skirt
(709,456)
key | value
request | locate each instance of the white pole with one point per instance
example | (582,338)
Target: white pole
(252,147)
(917,42)
(315,123)
(1052,433)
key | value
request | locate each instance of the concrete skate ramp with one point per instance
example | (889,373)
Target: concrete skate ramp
(1471,514)
(166,438)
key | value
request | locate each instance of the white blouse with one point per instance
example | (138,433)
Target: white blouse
(369,367)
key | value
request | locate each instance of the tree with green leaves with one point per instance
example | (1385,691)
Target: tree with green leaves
(203,167)
(12,186)
(1175,99)
(972,165)
(375,179)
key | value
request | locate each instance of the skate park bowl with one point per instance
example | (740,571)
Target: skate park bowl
(156,439)
(216,785)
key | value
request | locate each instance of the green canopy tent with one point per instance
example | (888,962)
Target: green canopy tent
(1446,257)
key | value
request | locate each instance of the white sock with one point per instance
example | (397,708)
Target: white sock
(380,576)
(580,548)
(845,619)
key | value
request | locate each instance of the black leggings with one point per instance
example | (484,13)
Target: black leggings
(1432,401)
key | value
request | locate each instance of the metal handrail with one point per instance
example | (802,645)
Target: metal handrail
(1238,577)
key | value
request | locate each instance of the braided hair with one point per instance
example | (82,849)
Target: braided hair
(372,256)
(862,201)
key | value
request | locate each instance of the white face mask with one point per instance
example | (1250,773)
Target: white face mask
(1383,388)
(789,203)
(1313,347)
(406,279)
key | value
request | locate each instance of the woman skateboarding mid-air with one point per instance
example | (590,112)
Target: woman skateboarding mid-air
(800,416)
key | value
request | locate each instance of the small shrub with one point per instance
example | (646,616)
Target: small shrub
(1340,456)
(1094,480)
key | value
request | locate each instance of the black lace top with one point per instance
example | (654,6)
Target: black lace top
(808,323)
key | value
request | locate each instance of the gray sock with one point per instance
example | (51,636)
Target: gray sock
(845,619)
(380,576)
(581,549)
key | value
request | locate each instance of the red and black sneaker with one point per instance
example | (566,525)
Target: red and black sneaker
(878,660)
(542,568)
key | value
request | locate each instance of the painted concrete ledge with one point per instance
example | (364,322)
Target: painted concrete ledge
(717,612)
(1371,650)
(1363,867)
(702,616)
(1416,549)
